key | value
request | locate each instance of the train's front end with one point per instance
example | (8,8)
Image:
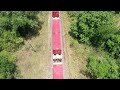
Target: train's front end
(55,14)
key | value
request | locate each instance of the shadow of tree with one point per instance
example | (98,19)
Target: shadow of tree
(27,32)
(117,12)
(85,73)
(72,35)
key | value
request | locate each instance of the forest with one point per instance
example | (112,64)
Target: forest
(99,29)
(15,27)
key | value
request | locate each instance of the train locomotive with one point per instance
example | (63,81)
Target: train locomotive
(55,14)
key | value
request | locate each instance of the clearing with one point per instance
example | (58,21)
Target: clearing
(75,54)
(36,64)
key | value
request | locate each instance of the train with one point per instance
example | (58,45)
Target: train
(57,46)
(55,14)
(56,37)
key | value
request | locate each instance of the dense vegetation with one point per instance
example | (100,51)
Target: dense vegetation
(102,67)
(98,29)
(8,68)
(15,26)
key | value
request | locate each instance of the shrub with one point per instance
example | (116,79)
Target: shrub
(16,25)
(7,65)
(9,41)
(102,68)
(112,45)
(85,23)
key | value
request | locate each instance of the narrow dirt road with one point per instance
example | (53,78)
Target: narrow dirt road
(74,62)
(37,65)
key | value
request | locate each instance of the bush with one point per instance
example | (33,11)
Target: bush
(102,34)
(112,45)
(96,28)
(7,65)
(9,41)
(16,25)
(10,56)
(85,23)
(102,68)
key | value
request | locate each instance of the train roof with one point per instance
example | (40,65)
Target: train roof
(56,37)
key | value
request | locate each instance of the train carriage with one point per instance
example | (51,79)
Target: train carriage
(55,14)
(56,40)
(58,71)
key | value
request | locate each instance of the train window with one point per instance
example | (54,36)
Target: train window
(60,60)
(57,60)
(54,60)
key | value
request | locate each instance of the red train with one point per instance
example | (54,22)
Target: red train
(55,14)
(58,71)
(56,37)
(56,46)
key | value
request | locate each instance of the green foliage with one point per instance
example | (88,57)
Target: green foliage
(102,34)
(96,28)
(112,45)
(16,25)
(4,23)
(85,23)
(25,22)
(102,68)
(10,56)
(9,41)
(7,65)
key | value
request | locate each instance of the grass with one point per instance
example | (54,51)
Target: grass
(34,57)
(76,54)
(117,19)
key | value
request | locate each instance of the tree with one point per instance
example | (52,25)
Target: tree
(15,26)
(102,68)
(7,65)
(112,45)
(85,24)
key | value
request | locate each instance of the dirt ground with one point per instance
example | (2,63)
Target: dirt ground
(37,65)
(75,60)
(76,54)
(34,63)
